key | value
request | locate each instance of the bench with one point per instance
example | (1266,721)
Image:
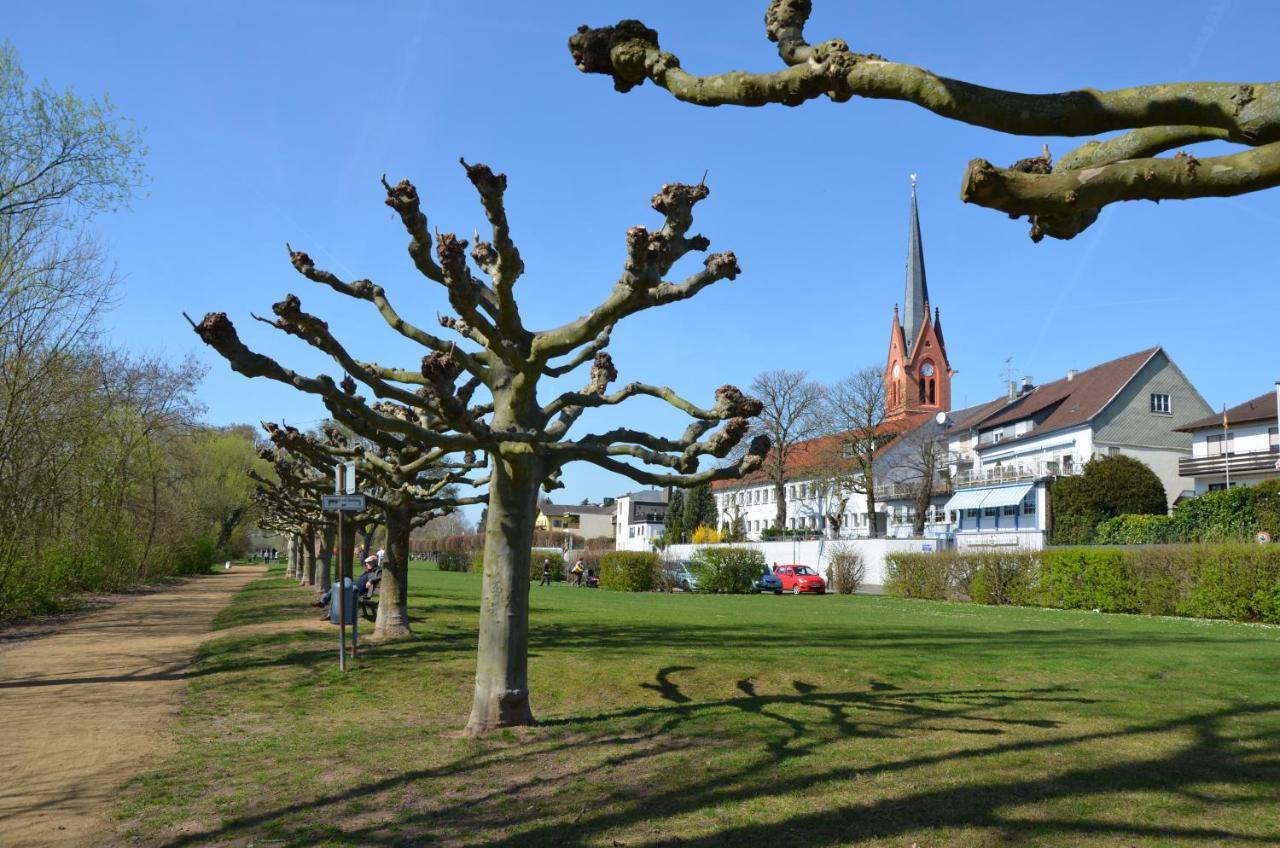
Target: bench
(369,603)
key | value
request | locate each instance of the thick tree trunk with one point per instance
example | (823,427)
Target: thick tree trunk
(502,685)
(325,578)
(393,601)
(872,521)
(291,567)
(308,577)
(780,510)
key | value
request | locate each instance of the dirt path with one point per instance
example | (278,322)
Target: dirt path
(87,707)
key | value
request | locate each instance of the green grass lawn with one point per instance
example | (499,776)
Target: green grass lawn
(748,720)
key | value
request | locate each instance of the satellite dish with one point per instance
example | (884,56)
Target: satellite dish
(941,418)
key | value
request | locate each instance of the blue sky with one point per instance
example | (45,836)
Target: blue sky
(272,122)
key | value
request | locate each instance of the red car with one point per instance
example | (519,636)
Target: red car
(799,578)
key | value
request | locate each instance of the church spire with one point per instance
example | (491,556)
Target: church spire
(915,303)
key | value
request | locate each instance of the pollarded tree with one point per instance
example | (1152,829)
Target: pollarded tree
(526,438)
(414,486)
(1059,199)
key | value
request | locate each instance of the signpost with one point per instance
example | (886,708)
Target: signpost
(345,500)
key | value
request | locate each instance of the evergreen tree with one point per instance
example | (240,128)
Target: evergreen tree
(673,524)
(699,508)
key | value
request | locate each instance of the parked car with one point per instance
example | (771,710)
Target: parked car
(767,582)
(680,576)
(800,578)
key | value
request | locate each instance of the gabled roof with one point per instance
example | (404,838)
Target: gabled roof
(1067,403)
(809,458)
(1261,408)
(652,496)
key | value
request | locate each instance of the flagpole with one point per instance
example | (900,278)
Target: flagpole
(1226,445)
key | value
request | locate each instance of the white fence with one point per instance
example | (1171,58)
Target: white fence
(817,553)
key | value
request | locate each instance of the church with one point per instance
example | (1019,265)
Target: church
(974,477)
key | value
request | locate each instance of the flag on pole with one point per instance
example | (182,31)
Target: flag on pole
(1224,416)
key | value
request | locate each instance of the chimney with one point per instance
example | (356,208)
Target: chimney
(1027,384)
(1013,390)
(1071,375)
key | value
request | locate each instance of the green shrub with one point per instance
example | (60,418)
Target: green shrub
(999,577)
(1109,486)
(1234,581)
(629,571)
(1088,578)
(1266,505)
(1223,516)
(728,570)
(475,564)
(1240,582)
(924,576)
(846,570)
(453,560)
(1135,530)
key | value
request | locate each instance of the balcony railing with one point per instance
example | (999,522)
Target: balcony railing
(907,491)
(1239,463)
(1019,473)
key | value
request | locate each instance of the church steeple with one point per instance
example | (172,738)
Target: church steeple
(917,374)
(915,303)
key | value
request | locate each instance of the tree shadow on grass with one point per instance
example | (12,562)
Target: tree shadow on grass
(529,794)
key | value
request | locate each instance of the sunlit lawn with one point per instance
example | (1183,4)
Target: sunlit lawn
(698,721)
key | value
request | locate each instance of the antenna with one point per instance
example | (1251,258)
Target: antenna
(1009,370)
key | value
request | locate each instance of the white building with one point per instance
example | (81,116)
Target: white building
(1006,453)
(1246,450)
(638,519)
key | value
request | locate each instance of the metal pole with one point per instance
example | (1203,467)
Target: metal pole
(342,594)
(1226,448)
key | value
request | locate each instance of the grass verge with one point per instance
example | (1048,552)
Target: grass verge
(727,720)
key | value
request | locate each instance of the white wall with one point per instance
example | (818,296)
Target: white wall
(817,554)
(1031,540)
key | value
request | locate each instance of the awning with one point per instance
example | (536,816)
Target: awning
(1007,495)
(967,499)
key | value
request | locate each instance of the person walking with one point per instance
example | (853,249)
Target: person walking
(546,573)
(578,570)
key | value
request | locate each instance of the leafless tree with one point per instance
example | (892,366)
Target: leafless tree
(525,439)
(1061,199)
(853,410)
(790,407)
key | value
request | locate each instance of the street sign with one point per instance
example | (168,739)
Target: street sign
(342,503)
(344,478)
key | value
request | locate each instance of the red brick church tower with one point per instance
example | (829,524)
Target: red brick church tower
(918,375)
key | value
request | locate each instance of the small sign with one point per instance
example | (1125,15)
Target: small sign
(342,503)
(926,548)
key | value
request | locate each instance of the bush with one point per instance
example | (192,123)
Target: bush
(1135,530)
(1109,486)
(629,571)
(705,535)
(453,560)
(1223,516)
(1088,578)
(1266,506)
(727,569)
(846,570)
(475,564)
(1233,581)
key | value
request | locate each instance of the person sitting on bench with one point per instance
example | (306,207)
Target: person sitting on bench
(362,583)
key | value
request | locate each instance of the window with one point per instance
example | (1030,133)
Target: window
(990,511)
(970,513)
(1217,487)
(1029,504)
(1011,509)
(1215,444)
(997,436)
(1273,436)
(846,449)
(1113,451)
(1160,403)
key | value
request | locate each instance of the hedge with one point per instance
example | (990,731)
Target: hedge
(1233,581)
(728,570)
(475,564)
(629,571)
